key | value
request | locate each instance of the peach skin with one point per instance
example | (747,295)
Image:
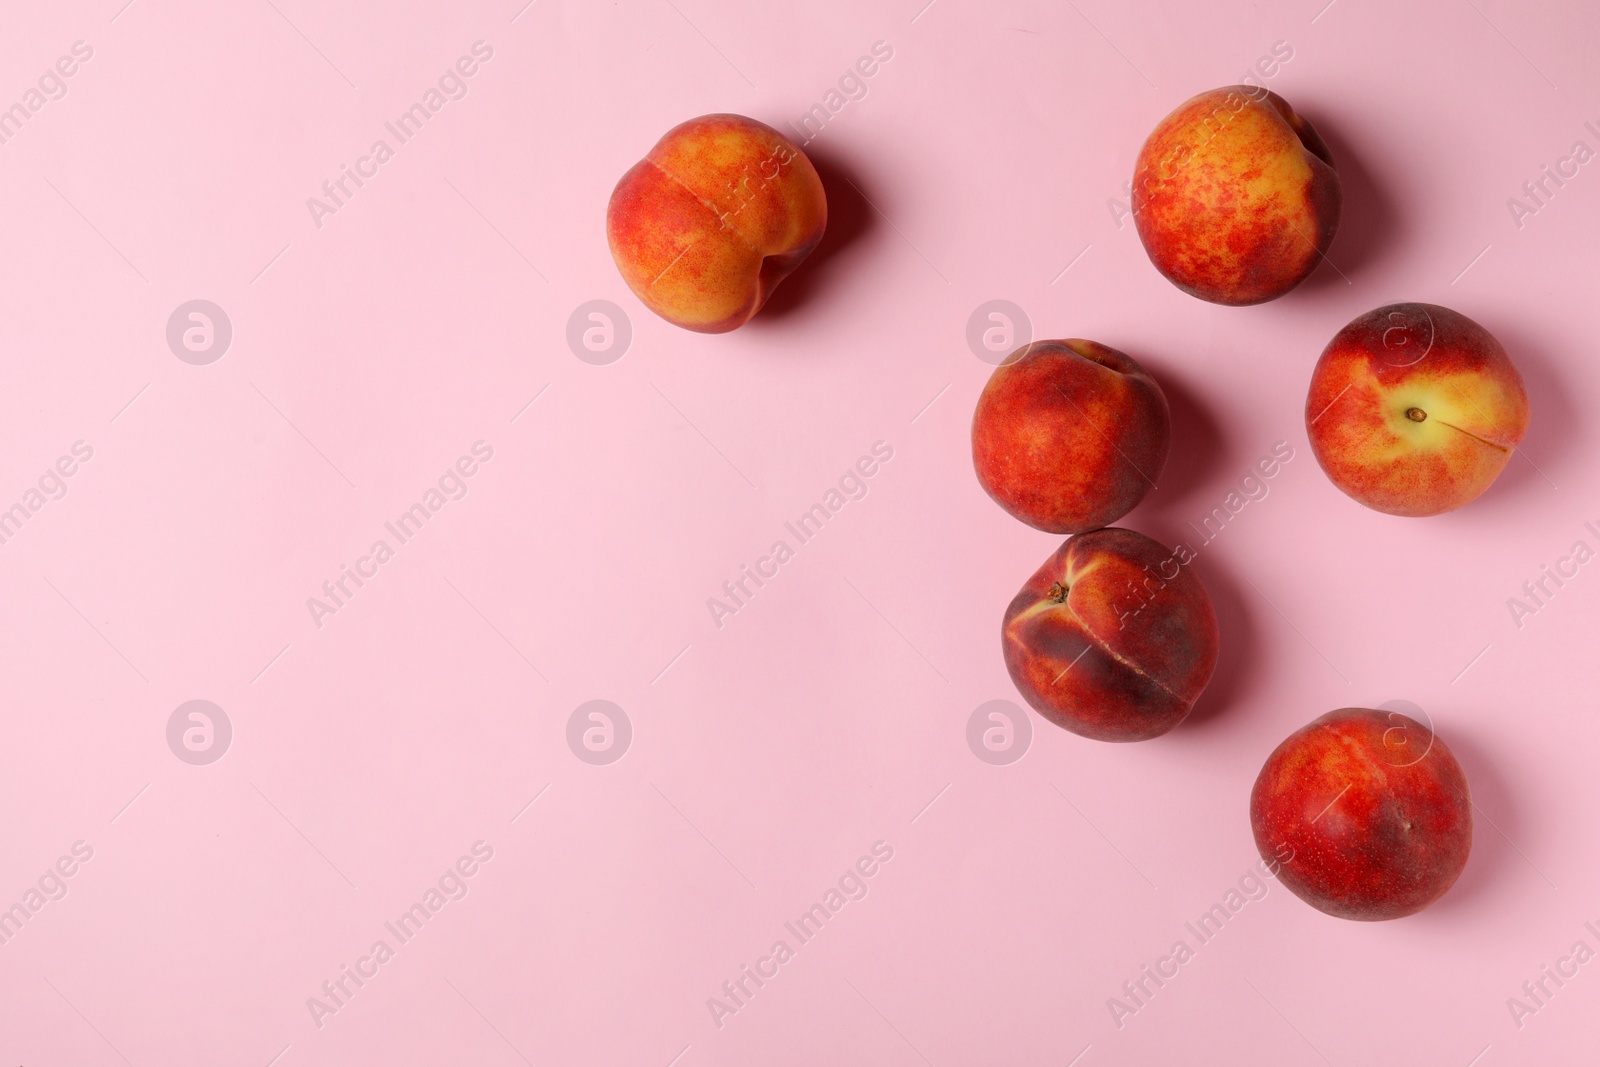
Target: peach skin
(1113,638)
(719,212)
(1069,435)
(1415,409)
(1235,196)
(1367,812)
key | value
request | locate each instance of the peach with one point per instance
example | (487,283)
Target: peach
(1069,435)
(1235,196)
(1366,811)
(1415,409)
(719,212)
(1113,638)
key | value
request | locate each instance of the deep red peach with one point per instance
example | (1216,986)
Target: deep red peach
(1366,811)
(1069,435)
(1113,638)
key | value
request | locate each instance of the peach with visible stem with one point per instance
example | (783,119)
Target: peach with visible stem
(1114,638)
(1414,409)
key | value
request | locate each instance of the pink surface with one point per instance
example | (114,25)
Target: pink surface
(769,754)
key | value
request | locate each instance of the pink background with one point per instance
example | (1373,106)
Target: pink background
(831,712)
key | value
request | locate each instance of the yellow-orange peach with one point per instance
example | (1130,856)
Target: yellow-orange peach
(1235,196)
(712,219)
(1415,409)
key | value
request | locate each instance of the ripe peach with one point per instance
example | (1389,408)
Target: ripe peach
(1235,196)
(1113,638)
(1069,435)
(1372,811)
(719,212)
(1415,409)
